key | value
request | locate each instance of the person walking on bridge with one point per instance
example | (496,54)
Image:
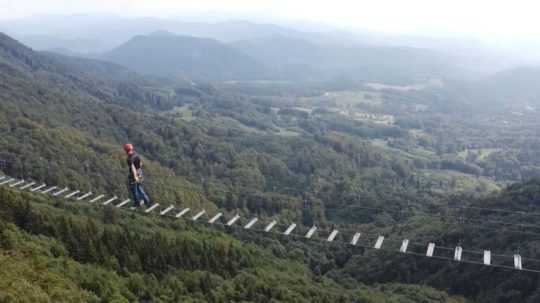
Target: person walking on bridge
(135,177)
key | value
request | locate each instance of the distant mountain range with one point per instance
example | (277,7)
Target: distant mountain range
(517,88)
(93,34)
(521,82)
(295,58)
(275,57)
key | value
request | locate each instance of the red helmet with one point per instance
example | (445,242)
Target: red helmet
(128,147)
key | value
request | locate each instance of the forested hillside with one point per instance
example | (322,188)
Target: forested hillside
(395,160)
(516,88)
(294,59)
(168,55)
(276,58)
(51,251)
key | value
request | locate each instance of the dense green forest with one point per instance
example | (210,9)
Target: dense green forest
(51,251)
(382,160)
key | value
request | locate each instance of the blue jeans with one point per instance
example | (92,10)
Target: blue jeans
(138,194)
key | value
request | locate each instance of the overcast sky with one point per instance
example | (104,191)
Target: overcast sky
(485,18)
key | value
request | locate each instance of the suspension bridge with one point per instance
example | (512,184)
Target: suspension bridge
(377,242)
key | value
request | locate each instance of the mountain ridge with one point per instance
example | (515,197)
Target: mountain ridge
(184,56)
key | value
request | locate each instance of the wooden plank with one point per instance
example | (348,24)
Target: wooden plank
(49,190)
(197,216)
(290,229)
(7,181)
(458,253)
(355,238)
(269,227)
(332,236)
(96,199)
(487,257)
(215,218)
(27,186)
(88,194)
(38,187)
(430,250)
(183,212)
(517,262)
(379,242)
(311,231)
(404,246)
(123,203)
(58,193)
(233,220)
(166,210)
(17,183)
(251,223)
(110,200)
(72,194)
(149,210)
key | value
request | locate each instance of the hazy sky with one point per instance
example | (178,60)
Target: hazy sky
(487,18)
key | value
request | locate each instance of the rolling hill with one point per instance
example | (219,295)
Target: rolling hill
(276,57)
(515,89)
(296,58)
(167,55)
(514,86)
